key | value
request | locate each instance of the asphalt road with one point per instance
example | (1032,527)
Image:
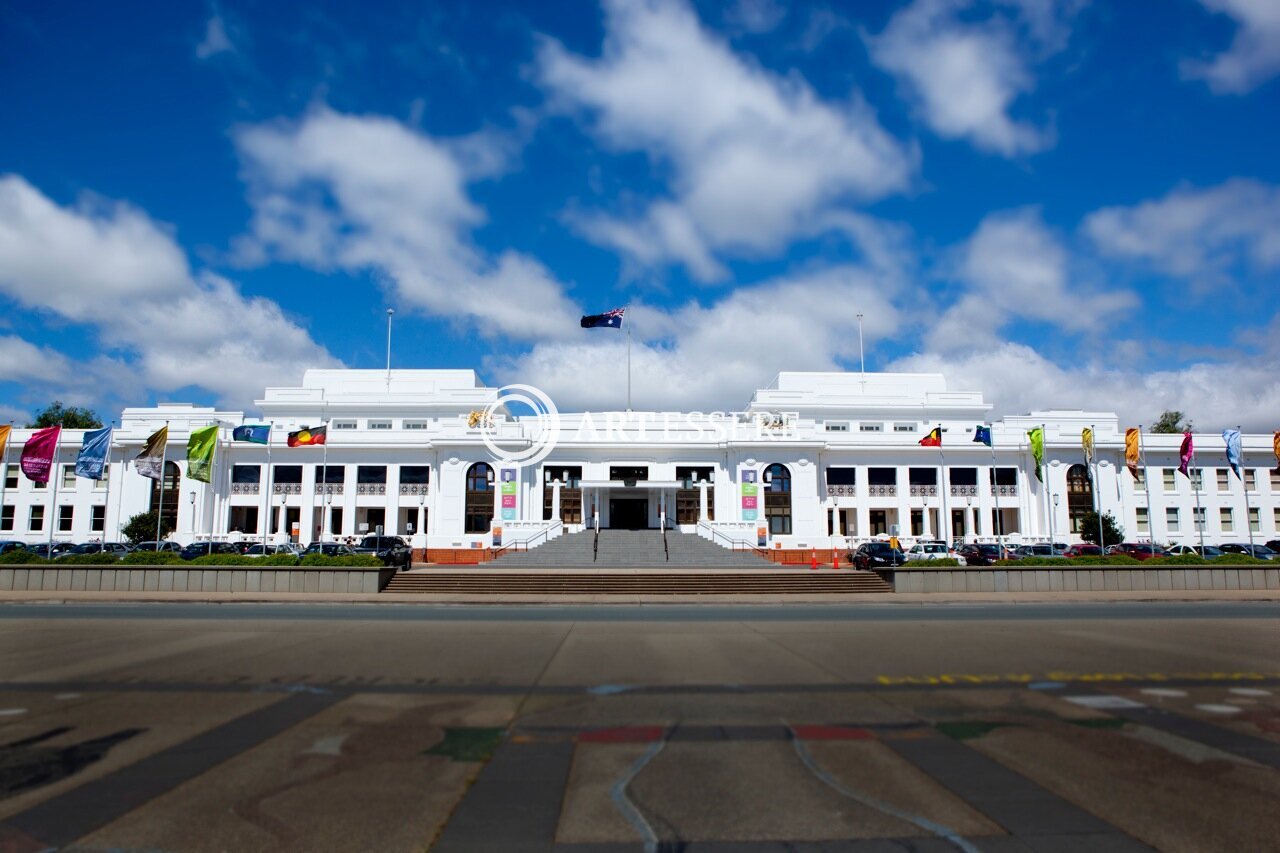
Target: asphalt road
(1119,726)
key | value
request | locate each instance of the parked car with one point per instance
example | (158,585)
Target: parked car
(975,554)
(1084,549)
(1261,552)
(876,555)
(329,549)
(1042,550)
(1209,551)
(242,546)
(205,549)
(260,550)
(929,551)
(1139,550)
(391,550)
(12,545)
(1273,544)
(118,549)
(163,545)
(52,552)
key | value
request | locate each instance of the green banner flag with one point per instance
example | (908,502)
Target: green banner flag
(200,452)
(1037,450)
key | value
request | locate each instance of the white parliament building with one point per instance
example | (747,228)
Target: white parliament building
(814,461)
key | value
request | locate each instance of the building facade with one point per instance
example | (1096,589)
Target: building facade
(815,460)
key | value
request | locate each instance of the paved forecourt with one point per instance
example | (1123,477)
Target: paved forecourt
(1110,726)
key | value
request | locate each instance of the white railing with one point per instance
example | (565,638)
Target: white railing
(730,534)
(882,491)
(244,488)
(918,491)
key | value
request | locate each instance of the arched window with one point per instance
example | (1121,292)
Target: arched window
(1079,496)
(479,500)
(172,491)
(777,499)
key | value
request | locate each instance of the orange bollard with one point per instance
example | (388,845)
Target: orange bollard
(835,558)
(813,558)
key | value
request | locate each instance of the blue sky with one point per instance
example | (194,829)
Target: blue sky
(1056,202)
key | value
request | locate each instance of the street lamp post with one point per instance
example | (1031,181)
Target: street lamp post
(1051,518)
(192,498)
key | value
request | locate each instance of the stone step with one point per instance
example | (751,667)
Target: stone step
(647,583)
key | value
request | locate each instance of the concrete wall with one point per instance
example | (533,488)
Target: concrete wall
(1085,579)
(195,579)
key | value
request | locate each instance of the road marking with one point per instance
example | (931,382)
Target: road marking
(331,745)
(1103,702)
(12,712)
(1213,708)
(618,793)
(1164,691)
(65,696)
(1249,691)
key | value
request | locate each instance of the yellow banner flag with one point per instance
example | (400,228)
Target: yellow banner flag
(6,429)
(1131,450)
(1086,441)
(1275,443)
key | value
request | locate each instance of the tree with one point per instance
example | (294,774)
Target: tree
(1112,533)
(71,417)
(1171,422)
(142,528)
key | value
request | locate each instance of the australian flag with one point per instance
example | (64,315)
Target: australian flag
(607,320)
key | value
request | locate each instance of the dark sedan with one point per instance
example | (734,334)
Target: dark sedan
(982,554)
(328,549)
(877,555)
(205,549)
(1138,550)
(1260,552)
(391,550)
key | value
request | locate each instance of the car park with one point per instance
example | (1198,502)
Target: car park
(52,551)
(931,551)
(1260,552)
(391,550)
(876,555)
(118,549)
(1085,549)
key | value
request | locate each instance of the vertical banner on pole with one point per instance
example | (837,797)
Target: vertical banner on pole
(509,493)
(750,490)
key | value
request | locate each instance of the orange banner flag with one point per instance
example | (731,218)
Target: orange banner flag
(1131,450)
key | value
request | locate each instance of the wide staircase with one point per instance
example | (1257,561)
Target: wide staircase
(629,549)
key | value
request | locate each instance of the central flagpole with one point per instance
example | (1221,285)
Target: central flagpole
(628,367)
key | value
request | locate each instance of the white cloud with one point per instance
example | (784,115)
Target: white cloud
(1254,55)
(1197,234)
(714,356)
(756,158)
(109,266)
(23,361)
(964,75)
(755,16)
(1017,379)
(215,39)
(367,192)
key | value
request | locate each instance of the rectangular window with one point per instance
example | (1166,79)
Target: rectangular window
(371,474)
(1197,479)
(379,424)
(68,476)
(417,424)
(917,522)
(1275,481)
(904,427)
(35,521)
(922,476)
(246,473)
(1171,519)
(870,427)
(331,474)
(1250,480)
(6,518)
(291,474)
(343,425)
(1255,520)
(1224,479)
(106,478)
(1170,479)
(836,426)
(689,495)
(1003,476)
(628,472)
(243,520)
(66,517)
(98,521)
(842,476)
(1143,519)
(415,475)
(11,477)
(1198,514)
(1226,519)
(1139,479)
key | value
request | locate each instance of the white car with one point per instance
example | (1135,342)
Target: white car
(932,551)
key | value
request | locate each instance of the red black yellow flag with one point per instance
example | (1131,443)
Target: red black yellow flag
(933,439)
(308,437)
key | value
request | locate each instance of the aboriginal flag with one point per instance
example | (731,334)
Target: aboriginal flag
(308,437)
(933,439)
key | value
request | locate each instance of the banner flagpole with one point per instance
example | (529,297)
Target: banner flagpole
(4,473)
(1097,491)
(1244,487)
(995,495)
(1044,483)
(1146,483)
(57,475)
(324,510)
(266,511)
(1200,519)
(106,468)
(164,456)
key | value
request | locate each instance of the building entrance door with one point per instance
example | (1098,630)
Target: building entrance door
(629,513)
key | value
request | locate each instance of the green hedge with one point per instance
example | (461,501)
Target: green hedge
(21,557)
(150,558)
(1111,560)
(276,560)
(223,560)
(930,564)
(354,561)
(1238,560)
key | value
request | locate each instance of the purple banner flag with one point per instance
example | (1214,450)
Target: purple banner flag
(37,454)
(1188,451)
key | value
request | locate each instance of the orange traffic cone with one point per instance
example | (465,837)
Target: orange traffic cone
(813,558)
(835,559)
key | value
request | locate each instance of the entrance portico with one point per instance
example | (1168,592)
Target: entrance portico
(629,504)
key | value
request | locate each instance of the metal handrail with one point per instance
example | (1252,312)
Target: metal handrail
(747,544)
(528,543)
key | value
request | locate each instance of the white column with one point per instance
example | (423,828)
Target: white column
(555,499)
(702,501)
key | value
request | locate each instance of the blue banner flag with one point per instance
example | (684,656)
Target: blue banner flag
(256,433)
(982,435)
(607,320)
(93,453)
(1232,438)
